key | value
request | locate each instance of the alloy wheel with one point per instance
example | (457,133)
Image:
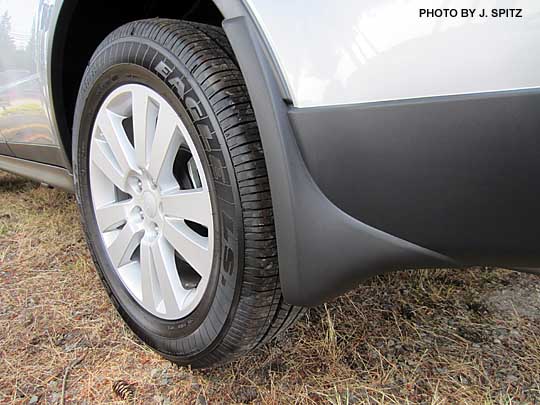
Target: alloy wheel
(151,201)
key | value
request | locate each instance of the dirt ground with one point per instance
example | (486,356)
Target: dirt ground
(437,336)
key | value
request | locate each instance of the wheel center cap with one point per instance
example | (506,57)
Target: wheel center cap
(150,204)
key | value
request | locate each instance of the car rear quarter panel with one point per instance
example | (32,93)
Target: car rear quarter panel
(352,51)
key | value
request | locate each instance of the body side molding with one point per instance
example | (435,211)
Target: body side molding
(47,154)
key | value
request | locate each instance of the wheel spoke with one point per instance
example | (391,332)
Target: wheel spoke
(193,205)
(166,142)
(111,128)
(191,246)
(122,248)
(111,216)
(103,160)
(172,292)
(148,275)
(144,114)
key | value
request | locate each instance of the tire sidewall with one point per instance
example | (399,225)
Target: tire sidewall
(135,60)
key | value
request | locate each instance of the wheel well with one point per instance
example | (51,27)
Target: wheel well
(81,27)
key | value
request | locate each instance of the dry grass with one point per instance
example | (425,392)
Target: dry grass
(440,336)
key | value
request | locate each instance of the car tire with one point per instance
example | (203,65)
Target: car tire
(191,68)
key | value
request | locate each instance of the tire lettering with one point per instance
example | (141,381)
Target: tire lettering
(217,168)
(178,85)
(206,135)
(163,69)
(195,108)
(228,252)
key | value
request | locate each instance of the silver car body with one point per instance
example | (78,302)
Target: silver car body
(28,123)
(351,51)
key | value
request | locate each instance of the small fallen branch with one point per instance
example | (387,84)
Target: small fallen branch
(73,364)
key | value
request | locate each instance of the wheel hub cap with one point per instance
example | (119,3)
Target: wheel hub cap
(150,204)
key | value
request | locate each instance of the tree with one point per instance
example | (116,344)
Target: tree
(7,45)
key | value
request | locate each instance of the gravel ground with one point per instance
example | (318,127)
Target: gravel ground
(428,336)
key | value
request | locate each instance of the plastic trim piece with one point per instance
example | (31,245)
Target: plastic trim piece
(4,149)
(52,175)
(454,174)
(241,8)
(47,154)
(322,251)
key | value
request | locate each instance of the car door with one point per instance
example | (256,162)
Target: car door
(25,118)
